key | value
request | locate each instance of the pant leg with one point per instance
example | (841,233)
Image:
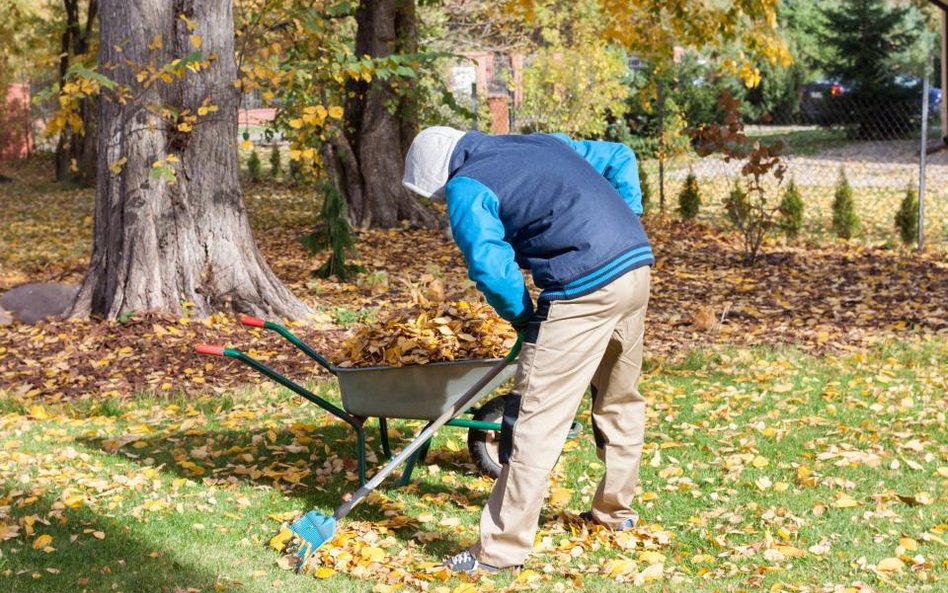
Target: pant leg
(552,377)
(618,412)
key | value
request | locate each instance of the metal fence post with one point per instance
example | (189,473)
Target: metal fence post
(474,105)
(661,145)
(923,145)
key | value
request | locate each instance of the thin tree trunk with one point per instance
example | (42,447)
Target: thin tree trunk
(376,137)
(75,157)
(186,245)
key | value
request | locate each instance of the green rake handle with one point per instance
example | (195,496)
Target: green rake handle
(462,404)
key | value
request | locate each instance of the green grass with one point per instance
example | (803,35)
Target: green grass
(168,493)
(801,142)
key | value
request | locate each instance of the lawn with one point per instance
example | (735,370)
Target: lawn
(764,469)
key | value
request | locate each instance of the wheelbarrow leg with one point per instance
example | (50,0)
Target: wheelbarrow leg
(360,435)
(417,456)
(383,430)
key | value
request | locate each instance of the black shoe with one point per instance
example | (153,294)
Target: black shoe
(465,562)
(625,526)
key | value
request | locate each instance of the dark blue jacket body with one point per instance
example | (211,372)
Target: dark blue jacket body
(566,210)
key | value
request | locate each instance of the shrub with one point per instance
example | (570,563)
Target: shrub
(296,172)
(906,219)
(737,206)
(275,160)
(791,211)
(689,199)
(748,207)
(845,221)
(646,188)
(254,166)
(334,233)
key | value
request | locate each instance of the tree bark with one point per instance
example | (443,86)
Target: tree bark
(176,246)
(376,137)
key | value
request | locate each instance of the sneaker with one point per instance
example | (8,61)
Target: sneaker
(466,562)
(626,525)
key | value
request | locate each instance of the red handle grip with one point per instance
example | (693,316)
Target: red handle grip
(210,349)
(252,321)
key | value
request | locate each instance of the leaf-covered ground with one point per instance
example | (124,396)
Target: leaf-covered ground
(820,297)
(796,435)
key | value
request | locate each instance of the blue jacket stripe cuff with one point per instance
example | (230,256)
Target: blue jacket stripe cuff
(608,268)
(591,284)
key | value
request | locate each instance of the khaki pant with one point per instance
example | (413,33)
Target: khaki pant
(590,340)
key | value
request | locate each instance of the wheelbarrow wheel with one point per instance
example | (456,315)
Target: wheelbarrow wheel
(484,445)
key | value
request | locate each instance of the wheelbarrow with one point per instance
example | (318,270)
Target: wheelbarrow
(417,392)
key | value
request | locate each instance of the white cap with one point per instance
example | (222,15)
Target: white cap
(426,165)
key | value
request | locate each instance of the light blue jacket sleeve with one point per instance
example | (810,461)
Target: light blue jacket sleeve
(614,161)
(475,222)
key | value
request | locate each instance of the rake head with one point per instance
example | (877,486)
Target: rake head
(315,529)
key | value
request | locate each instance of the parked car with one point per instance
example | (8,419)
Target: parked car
(913,83)
(821,102)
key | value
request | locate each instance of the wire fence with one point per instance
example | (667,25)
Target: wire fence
(876,146)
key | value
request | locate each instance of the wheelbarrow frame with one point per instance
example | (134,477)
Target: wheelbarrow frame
(356,421)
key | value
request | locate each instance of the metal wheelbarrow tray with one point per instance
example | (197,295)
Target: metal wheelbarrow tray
(419,392)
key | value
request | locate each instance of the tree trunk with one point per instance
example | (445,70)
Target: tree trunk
(76,153)
(169,246)
(378,138)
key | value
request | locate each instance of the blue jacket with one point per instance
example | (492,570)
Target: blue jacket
(566,210)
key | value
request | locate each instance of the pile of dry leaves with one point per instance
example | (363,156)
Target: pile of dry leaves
(420,334)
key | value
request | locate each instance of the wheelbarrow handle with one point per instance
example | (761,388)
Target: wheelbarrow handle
(266,371)
(462,404)
(250,321)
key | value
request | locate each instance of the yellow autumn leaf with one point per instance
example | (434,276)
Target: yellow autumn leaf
(324,572)
(196,41)
(278,542)
(246,145)
(373,554)
(39,413)
(651,572)
(790,551)
(559,497)
(72,500)
(908,543)
(618,567)
(42,541)
(336,112)
(8,531)
(155,43)
(844,501)
(760,462)
(296,123)
(651,557)
(117,166)
(890,565)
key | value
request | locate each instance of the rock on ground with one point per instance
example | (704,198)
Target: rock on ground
(30,303)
